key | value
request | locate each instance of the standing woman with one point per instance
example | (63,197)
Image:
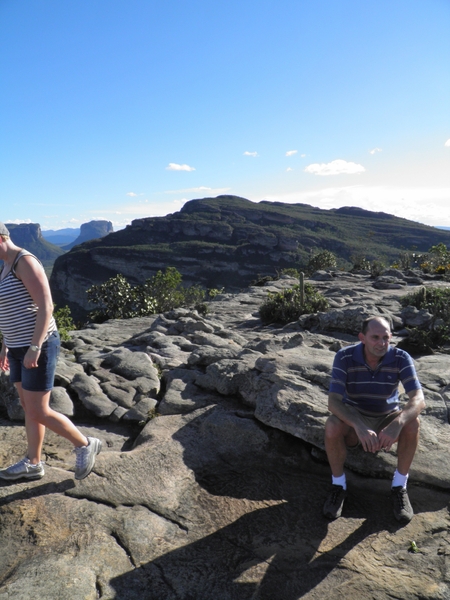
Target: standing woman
(30,349)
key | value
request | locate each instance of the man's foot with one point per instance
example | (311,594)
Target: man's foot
(85,457)
(23,470)
(403,510)
(332,508)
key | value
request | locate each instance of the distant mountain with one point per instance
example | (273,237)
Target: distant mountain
(29,236)
(61,237)
(91,231)
(229,241)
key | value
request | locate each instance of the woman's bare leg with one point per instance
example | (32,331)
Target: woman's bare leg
(38,416)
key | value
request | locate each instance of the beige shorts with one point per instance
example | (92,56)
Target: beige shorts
(376,423)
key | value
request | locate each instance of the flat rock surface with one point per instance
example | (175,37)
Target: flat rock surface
(219,495)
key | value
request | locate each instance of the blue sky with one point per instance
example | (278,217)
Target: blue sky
(122,109)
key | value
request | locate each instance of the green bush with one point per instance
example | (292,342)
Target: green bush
(322,260)
(360,262)
(287,306)
(437,302)
(377,267)
(290,273)
(261,280)
(64,322)
(437,260)
(213,292)
(117,299)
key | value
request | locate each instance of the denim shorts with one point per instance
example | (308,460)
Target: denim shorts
(40,378)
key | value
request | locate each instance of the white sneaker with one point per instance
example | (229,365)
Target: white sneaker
(85,457)
(23,470)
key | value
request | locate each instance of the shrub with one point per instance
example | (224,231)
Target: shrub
(261,280)
(377,267)
(64,322)
(360,262)
(437,302)
(213,292)
(290,273)
(322,260)
(117,299)
(436,260)
(287,306)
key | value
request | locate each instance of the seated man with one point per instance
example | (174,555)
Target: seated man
(364,400)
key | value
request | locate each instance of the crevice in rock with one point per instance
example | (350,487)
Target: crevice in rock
(122,545)
(165,517)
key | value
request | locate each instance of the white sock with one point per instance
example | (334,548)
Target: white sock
(342,481)
(399,479)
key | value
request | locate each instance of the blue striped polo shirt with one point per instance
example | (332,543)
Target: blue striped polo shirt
(372,391)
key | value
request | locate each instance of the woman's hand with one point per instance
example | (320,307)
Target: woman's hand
(4,362)
(30,360)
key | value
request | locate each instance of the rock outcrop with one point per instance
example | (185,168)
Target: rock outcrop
(29,236)
(91,231)
(226,242)
(213,474)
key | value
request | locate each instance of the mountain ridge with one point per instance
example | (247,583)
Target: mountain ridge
(227,241)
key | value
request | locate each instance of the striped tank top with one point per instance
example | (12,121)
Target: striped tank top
(18,310)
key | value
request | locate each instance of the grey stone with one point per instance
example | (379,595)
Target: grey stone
(131,365)
(91,395)
(61,401)
(141,411)
(182,395)
(66,370)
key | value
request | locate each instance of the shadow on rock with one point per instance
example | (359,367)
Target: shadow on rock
(282,547)
(33,491)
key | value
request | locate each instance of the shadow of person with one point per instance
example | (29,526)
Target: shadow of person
(33,489)
(282,547)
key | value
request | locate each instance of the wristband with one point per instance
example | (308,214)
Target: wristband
(35,348)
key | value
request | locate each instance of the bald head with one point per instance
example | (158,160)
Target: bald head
(372,320)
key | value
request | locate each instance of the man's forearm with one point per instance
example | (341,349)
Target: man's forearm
(412,408)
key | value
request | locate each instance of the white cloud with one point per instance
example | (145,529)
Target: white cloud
(335,167)
(176,167)
(200,189)
(18,221)
(246,153)
(303,155)
(289,169)
(291,152)
(374,150)
(447,143)
(132,194)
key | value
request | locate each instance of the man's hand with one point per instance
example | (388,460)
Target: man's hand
(369,439)
(389,435)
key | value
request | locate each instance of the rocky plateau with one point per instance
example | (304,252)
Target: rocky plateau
(213,475)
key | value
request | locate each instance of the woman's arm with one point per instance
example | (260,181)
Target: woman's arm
(33,276)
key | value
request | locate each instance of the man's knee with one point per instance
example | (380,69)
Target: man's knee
(411,429)
(334,427)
